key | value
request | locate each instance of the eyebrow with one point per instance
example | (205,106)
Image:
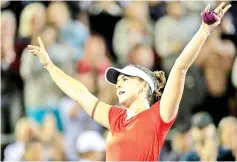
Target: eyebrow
(119,78)
(124,75)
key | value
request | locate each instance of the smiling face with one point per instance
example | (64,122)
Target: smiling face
(128,89)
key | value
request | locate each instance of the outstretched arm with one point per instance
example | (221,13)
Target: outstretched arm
(173,91)
(72,87)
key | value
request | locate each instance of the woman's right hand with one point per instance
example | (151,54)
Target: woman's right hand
(41,52)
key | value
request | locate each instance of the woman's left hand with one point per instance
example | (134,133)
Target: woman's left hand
(219,12)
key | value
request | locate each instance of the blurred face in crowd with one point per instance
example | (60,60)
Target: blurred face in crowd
(8,29)
(137,10)
(58,14)
(39,19)
(205,141)
(228,132)
(128,89)
(227,25)
(49,35)
(180,142)
(25,129)
(174,9)
(95,49)
(143,56)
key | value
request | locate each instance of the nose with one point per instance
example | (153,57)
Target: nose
(118,85)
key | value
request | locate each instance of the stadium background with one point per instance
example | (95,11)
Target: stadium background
(83,39)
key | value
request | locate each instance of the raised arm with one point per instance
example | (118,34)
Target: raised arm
(72,87)
(173,91)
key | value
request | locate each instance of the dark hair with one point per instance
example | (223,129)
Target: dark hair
(201,120)
(159,80)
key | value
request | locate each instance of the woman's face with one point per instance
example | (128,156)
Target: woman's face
(128,89)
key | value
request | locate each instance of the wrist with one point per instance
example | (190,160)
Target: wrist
(205,29)
(49,65)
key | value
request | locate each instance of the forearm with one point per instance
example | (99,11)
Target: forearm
(190,52)
(71,87)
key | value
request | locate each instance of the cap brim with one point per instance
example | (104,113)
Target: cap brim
(111,75)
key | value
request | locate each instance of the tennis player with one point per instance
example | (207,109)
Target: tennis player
(138,130)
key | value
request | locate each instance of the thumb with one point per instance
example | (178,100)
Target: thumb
(41,43)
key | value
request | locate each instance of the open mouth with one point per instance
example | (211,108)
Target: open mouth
(121,92)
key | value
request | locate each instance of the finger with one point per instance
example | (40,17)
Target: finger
(226,8)
(32,52)
(207,8)
(219,7)
(41,43)
(35,52)
(33,47)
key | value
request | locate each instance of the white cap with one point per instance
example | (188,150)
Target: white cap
(90,141)
(111,75)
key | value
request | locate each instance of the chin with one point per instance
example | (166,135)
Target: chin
(124,103)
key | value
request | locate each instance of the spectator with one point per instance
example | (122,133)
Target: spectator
(228,134)
(72,33)
(134,28)
(91,146)
(103,16)
(205,142)
(43,98)
(168,29)
(222,52)
(34,151)
(89,71)
(142,55)
(25,130)
(10,102)
(216,52)
(91,68)
(75,122)
(51,139)
(177,143)
(8,30)
(32,19)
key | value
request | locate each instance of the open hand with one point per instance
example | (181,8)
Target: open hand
(40,52)
(213,18)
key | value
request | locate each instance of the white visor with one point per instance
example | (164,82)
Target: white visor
(111,75)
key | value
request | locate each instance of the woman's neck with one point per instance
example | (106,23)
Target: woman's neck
(137,107)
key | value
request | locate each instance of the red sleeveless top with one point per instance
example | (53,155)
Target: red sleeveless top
(138,139)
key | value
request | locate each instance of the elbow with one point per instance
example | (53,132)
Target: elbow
(181,67)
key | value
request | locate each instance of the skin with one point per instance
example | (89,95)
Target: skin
(173,91)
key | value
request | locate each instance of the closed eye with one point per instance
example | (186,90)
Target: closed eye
(124,79)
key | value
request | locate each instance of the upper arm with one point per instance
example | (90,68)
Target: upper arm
(88,101)
(172,94)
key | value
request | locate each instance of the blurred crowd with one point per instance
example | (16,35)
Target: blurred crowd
(39,122)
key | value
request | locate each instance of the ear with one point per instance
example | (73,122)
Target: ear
(145,86)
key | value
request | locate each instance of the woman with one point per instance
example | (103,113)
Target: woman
(138,131)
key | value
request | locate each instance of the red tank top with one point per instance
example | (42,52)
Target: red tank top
(137,139)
